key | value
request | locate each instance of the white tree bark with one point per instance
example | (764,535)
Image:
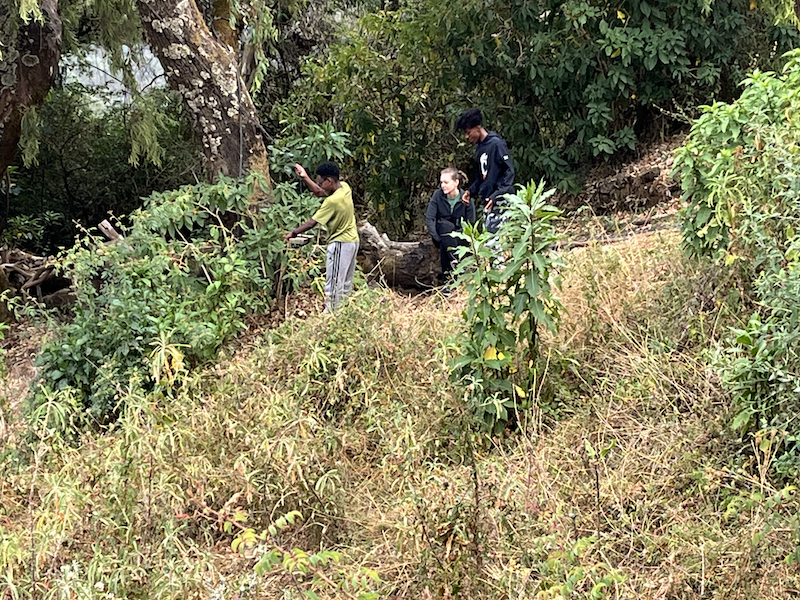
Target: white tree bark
(399,264)
(204,72)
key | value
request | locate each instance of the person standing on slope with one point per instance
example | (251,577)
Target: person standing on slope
(337,215)
(495,169)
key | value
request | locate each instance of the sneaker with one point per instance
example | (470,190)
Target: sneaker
(446,290)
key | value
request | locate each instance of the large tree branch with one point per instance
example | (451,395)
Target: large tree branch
(399,264)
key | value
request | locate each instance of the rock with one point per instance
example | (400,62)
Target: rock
(642,183)
(650,175)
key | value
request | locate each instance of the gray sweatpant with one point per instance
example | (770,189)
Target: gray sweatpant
(340,265)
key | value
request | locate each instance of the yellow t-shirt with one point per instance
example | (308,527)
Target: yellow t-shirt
(338,216)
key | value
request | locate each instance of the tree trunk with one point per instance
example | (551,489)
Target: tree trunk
(204,71)
(399,264)
(29,62)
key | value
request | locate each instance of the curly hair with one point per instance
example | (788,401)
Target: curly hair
(328,169)
(470,118)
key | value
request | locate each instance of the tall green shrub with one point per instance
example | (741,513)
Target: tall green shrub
(740,171)
(508,278)
(165,297)
(581,78)
(389,85)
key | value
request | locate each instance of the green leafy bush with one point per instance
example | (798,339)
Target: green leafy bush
(734,160)
(740,172)
(32,233)
(316,144)
(164,298)
(586,78)
(395,110)
(508,278)
(564,82)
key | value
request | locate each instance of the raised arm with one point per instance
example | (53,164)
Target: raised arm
(312,185)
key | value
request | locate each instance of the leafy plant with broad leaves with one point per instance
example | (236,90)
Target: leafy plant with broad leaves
(722,167)
(309,147)
(508,278)
(577,79)
(397,111)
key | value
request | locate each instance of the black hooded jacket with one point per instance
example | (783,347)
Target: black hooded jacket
(494,174)
(441,220)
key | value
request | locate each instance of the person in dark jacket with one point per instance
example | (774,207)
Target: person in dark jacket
(447,211)
(495,169)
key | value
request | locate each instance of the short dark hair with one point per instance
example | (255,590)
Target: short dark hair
(470,118)
(328,169)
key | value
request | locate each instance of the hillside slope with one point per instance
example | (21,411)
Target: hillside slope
(624,483)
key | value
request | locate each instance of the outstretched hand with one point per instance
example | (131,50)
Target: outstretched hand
(465,197)
(300,170)
(489,205)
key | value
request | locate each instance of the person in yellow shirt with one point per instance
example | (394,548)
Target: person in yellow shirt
(337,215)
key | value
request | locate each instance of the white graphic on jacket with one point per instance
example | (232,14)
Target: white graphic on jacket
(484,164)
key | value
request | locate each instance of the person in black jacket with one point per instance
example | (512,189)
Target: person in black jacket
(447,211)
(495,169)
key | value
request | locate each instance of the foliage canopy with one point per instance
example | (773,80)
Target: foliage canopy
(564,82)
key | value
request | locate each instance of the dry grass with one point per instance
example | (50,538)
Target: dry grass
(638,484)
(660,496)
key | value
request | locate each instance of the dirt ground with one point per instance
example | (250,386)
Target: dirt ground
(19,350)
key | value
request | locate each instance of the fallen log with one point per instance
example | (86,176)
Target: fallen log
(34,276)
(40,279)
(398,264)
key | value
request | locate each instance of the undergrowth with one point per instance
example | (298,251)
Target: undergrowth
(166,296)
(740,174)
(636,488)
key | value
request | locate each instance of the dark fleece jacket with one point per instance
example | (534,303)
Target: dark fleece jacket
(439,217)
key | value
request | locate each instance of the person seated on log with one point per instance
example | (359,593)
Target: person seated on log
(337,215)
(447,211)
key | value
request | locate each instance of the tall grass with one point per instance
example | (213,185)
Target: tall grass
(627,485)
